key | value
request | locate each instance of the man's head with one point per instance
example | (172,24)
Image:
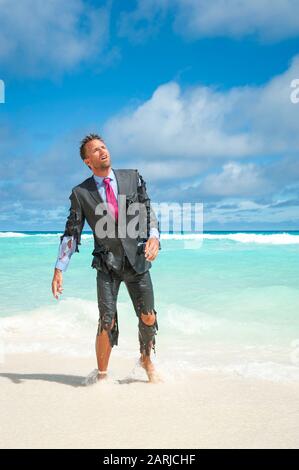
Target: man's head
(94,153)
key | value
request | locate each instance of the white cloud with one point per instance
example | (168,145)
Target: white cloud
(249,213)
(207,125)
(273,116)
(168,170)
(144,21)
(269,20)
(236,179)
(39,37)
(178,124)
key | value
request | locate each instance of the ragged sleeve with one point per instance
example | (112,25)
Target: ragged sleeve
(153,226)
(71,237)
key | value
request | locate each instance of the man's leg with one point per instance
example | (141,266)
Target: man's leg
(103,350)
(107,334)
(140,289)
(147,329)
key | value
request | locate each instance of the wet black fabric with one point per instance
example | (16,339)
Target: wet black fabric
(140,289)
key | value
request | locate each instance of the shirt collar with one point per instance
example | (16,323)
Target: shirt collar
(99,179)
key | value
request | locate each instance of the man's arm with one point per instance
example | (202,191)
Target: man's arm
(66,248)
(153,245)
(69,242)
(154,229)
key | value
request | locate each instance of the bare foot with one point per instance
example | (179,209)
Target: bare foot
(94,377)
(102,376)
(148,366)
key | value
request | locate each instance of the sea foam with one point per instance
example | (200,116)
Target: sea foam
(284,238)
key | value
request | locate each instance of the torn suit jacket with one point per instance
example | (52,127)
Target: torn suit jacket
(109,252)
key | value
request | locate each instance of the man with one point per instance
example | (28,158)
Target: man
(119,255)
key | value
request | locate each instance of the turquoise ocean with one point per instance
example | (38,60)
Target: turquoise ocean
(226,301)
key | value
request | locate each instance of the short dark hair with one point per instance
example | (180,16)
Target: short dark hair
(86,139)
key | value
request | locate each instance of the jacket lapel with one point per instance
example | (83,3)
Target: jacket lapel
(93,190)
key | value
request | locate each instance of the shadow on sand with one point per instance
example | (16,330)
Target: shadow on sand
(71,380)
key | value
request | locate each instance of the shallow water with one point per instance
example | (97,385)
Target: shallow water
(225,301)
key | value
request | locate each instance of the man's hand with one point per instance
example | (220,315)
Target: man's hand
(57,283)
(151,249)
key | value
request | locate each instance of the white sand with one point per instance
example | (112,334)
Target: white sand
(42,405)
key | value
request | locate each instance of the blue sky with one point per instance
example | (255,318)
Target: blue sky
(193,93)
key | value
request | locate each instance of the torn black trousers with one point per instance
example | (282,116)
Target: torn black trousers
(140,289)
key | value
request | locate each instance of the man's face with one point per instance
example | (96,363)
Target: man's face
(97,155)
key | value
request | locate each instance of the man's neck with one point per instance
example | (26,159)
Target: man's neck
(102,173)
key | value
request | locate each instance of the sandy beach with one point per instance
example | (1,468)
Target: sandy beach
(44,405)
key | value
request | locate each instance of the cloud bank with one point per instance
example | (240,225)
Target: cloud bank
(46,37)
(267,20)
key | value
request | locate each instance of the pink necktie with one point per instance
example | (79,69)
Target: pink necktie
(111,198)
